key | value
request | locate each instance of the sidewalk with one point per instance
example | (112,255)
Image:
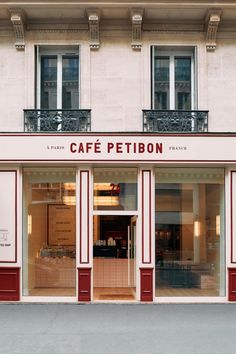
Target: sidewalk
(117,329)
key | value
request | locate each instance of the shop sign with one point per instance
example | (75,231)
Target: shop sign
(116,147)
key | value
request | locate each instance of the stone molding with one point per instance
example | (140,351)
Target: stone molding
(17,18)
(93,19)
(212,22)
(137,20)
(57,27)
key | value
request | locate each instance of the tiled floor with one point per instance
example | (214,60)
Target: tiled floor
(124,293)
(190,292)
(114,294)
(52,292)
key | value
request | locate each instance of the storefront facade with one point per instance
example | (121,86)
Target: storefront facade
(111,217)
(117,151)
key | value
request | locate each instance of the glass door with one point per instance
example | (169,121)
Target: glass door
(114,210)
(114,257)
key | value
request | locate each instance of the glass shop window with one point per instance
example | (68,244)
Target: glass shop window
(115,189)
(189,232)
(49,241)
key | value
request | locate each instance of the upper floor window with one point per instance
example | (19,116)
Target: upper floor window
(173,78)
(58,77)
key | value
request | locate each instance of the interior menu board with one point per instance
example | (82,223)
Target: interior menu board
(61,225)
(8,216)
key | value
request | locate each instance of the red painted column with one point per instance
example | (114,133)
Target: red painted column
(146,278)
(9,284)
(84,282)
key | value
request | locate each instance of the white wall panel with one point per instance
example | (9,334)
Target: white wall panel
(146,217)
(84,216)
(233,216)
(8,216)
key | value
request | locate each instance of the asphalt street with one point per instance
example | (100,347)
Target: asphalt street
(117,328)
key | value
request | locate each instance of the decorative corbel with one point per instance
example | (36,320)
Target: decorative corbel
(137,19)
(93,18)
(18,21)
(212,22)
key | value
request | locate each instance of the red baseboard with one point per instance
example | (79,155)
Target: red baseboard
(84,283)
(146,277)
(9,284)
(232,284)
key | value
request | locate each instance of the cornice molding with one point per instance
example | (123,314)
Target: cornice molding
(57,27)
(212,22)
(17,18)
(101,3)
(137,20)
(173,27)
(93,19)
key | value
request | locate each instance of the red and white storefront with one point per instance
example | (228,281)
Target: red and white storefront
(174,194)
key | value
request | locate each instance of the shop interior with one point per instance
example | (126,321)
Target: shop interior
(50,234)
(114,257)
(188,239)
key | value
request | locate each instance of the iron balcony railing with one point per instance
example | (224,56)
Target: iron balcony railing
(175,121)
(57,120)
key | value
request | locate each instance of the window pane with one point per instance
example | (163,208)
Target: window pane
(49,82)
(161,82)
(49,242)
(70,83)
(189,232)
(183,83)
(115,189)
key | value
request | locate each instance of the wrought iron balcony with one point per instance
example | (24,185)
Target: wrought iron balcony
(61,120)
(175,121)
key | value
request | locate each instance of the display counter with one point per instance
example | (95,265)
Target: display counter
(105,251)
(55,272)
(109,251)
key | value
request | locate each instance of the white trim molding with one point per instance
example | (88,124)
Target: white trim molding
(17,18)
(137,20)
(94,18)
(212,22)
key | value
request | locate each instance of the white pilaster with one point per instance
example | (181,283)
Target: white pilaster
(147,215)
(84,218)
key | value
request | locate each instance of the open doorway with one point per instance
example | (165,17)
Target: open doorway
(114,257)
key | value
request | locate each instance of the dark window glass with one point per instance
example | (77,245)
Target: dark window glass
(70,82)
(49,82)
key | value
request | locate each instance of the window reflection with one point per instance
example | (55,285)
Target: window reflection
(49,82)
(70,82)
(189,232)
(173,79)
(49,244)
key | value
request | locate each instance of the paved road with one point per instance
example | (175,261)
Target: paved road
(117,329)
